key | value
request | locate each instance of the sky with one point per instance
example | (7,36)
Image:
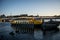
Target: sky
(30,7)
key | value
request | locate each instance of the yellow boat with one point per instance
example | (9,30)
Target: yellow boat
(37,22)
(22,20)
(28,20)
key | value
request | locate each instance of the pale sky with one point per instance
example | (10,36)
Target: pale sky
(30,7)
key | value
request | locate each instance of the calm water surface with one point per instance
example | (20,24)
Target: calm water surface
(5,29)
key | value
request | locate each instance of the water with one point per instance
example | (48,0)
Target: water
(6,29)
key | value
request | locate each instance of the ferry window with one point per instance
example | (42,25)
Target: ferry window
(37,18)
(46,20)
(23,19)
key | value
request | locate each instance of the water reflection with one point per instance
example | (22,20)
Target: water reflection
(8,33)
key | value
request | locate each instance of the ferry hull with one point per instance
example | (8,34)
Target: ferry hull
(23,28)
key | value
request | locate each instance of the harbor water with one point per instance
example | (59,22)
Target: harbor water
(7,32)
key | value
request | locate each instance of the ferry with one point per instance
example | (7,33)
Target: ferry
(28,20)
(26,24)
(23,25)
